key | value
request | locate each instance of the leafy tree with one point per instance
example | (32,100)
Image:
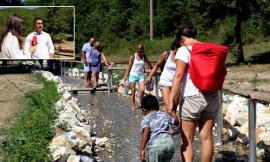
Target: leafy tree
(10,2)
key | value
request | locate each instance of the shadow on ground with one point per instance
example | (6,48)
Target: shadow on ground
(261,58)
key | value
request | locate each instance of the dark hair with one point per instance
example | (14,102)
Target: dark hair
(97,43)
(13,25)
(150,102)
(37,18)
(175,44)
(187,31)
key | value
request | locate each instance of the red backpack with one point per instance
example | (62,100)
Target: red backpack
(207,66)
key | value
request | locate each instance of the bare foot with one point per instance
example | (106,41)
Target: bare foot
(132,108)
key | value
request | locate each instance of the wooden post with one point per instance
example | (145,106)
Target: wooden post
(219,120)
(252,130)
(126,89)
(109,80)
(61,68)
(102,75)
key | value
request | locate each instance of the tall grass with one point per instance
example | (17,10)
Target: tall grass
(30,136)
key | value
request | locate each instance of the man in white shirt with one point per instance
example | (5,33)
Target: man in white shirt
(85,60)
(41,41)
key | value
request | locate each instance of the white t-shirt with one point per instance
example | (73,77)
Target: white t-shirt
(10,48)
(166,77)
(137,68)
(188,88)
(44,45)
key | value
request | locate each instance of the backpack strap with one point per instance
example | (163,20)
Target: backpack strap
(167,55)
(188,49)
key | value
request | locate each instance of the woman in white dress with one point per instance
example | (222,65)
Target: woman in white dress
(11,41)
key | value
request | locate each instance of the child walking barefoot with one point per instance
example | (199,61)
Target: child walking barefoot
(156,131)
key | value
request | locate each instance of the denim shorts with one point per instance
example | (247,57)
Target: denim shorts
(135,79)
(162,150)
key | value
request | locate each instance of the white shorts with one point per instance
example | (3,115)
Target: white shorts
(164,84)
(86,68)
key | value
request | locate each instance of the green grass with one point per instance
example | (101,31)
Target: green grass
(122,49)
(30,136)
(256,48)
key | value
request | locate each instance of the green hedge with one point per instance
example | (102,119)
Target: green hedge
(29,139)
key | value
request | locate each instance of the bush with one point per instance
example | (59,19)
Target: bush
(29,139)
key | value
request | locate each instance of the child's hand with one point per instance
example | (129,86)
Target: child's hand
(142,156)
(148,80)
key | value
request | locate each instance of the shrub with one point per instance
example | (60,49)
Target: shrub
(29,138)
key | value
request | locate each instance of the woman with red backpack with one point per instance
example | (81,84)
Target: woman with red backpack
(197,108)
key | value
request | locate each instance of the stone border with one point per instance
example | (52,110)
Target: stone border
(73,131)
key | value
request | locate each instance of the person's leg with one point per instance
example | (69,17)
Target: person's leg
(89,76)
(187,134)
(169,145)
(132,97)
(141,86)
(165,96)
(85,82)
(85,74)
(95,79)
(205,126)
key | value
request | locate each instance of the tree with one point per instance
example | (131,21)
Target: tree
(10,2)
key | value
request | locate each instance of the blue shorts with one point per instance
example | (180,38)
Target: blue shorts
(135,79)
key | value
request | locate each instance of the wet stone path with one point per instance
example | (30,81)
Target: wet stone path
(111,117)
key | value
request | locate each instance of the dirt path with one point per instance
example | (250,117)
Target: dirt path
(13,89)
(250,77)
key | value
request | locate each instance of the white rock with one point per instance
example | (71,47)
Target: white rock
(47,74)
(243,136)
(260,152)
(87,149)
(58,152)
(266,137)
(69,118)
(238,106)
(55,79)
(73,158)
(60,104)
(74,105)
(66,95)
(86,159)
(62,141)
(83,131)
(101,142)
(242,118)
